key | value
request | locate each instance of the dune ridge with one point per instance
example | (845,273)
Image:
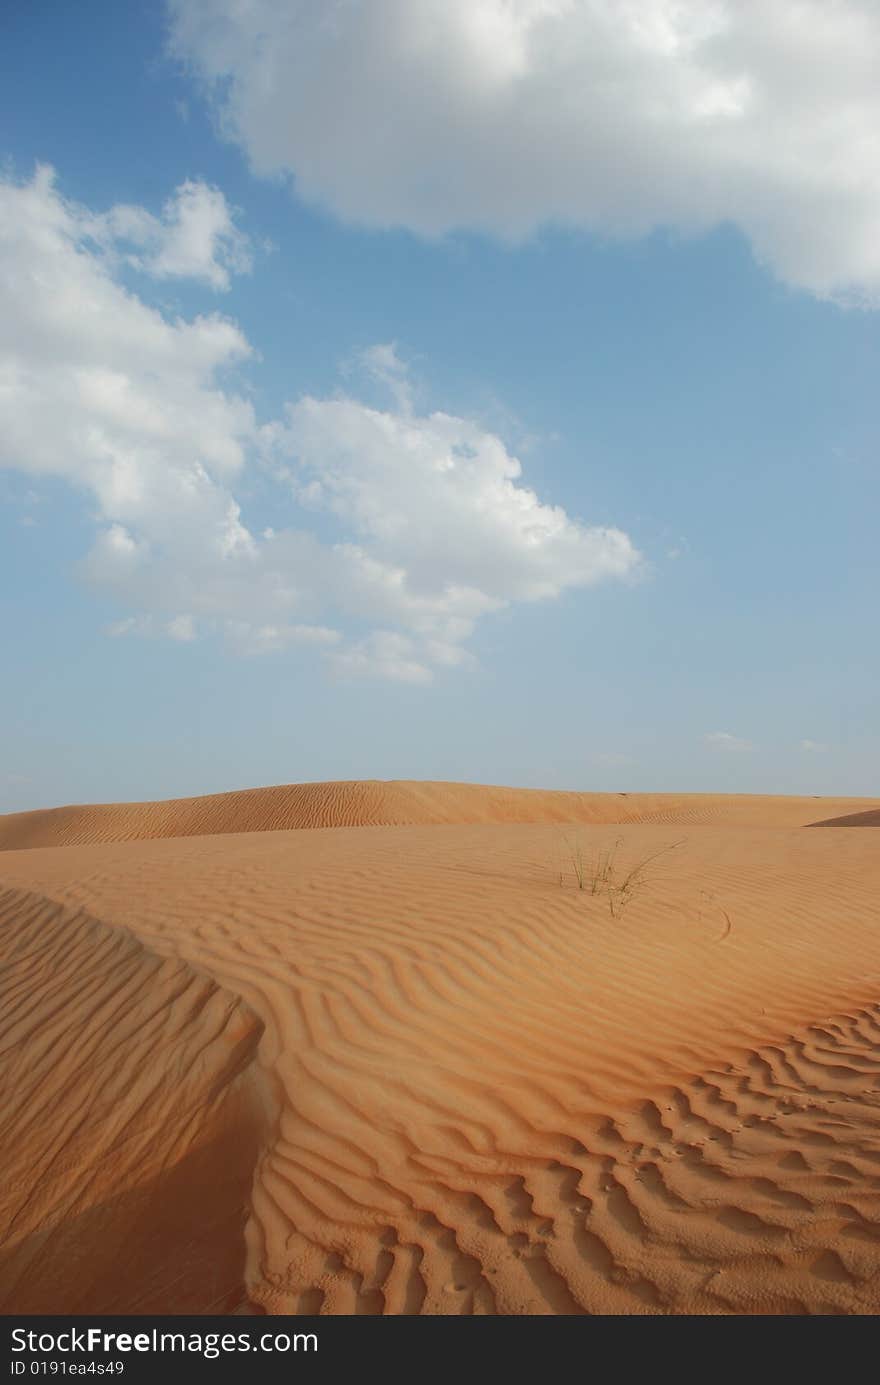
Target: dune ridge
(869,818)
(130,1122)
(491,1097)
(398,803)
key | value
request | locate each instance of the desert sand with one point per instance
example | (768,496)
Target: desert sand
(368,1047)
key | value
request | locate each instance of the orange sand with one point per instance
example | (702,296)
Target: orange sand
(399,803)
(405,1068)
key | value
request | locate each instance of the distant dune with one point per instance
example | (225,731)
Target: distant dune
(870,818)
(392,1068)
(398,803)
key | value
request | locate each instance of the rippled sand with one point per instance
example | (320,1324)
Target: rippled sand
(411,1067)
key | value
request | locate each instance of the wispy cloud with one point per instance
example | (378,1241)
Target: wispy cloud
(725,740)
(385,366)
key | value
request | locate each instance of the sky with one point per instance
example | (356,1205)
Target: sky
(477,390)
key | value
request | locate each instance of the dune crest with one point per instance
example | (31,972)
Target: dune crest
(869,818)
(398,803)
(130,1122)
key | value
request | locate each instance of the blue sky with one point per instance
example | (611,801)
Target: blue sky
(375,404)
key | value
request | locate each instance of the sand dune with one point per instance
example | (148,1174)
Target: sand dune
(130,1121)
(473,1089)
(398,803)
(869,818)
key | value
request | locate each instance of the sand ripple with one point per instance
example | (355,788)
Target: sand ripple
(449,1082)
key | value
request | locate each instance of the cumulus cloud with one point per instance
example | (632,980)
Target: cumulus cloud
(427,524)
(723,740)
(194,238)
(100,389)
(443,501)
(615,115)
(813,747)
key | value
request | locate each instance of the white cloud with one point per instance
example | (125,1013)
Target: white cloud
(439,529)
(129,626)
(195,237)
(434,525)
(384,654)
(182,629)
(383,364)
(813,747)
(723,740)
(269,639)
(442,500)
(615,115)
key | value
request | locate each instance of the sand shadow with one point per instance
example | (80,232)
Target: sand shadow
(173,1245)
(870,818)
